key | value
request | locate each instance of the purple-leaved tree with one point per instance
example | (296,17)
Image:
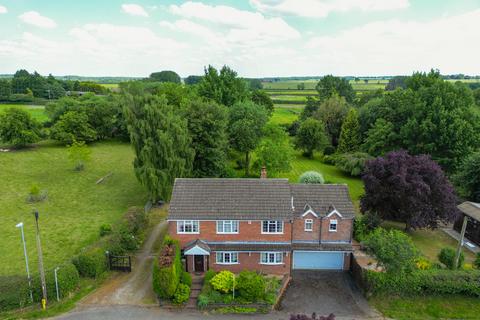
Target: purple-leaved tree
(410,189)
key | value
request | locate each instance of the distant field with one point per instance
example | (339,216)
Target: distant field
(292,85)
(109,85)
(71,216)
(37,112)
(285,114)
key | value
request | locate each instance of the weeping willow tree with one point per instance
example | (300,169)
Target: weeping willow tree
(160,139)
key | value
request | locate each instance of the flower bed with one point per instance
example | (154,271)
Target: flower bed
(247,292)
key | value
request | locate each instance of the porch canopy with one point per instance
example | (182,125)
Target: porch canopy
(197,247)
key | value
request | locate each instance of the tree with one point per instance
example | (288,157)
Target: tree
(18,128)
(311,177)
(409,189)
(332,112)
(301,86)
(262,98)
(5,90)
(467,178)
(311,107)
(160,139)
(224,87)
(330,85)
(207,125)
(396,82)
(246,123)
(79,154)
(73,126)
(275,151)
(165,76)
(191,80)
(349,140)
(311,136)
(381,138)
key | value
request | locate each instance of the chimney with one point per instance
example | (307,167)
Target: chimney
(263,173)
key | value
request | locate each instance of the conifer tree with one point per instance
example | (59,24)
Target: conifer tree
(350,134)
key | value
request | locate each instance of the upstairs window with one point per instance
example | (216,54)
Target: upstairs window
(271,257)
(308,225)
(333,226)
(227,226)
(188,226)
(227,257)
(272,226)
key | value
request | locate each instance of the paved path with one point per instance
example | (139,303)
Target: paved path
(133,288)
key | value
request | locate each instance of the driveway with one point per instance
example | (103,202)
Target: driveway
(325,292)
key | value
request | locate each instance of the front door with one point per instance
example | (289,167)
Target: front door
(198,261)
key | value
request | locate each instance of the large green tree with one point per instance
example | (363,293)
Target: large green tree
(18,128)
(311,137)
(165,76)
(311,107)
(350,134)
(73,126)
(467,178)
(160,139)
(262,98)
(275,151)
(331,85)
(246,123)
(225,87)
(207,125)
(332,113)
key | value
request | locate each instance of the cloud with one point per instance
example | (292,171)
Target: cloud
(240,25)
(134,10)
(322,8)
(3,9)
(36,19)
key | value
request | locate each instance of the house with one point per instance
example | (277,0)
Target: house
(261,224)
(471,210)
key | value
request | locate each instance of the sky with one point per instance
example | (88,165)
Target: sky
(257,38)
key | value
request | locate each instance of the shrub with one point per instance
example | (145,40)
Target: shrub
(250,285)
(68,279)
(447,257)
(136,220)
(223,281)
(105,229)
(329,150)
(91,263)
(209,276)
(78,154)
(311,177)
(18,128)
(393,249)
(364,225)
(186,278)
(329,159)
(182,294)
(13,292)
(35,194)
(236,310)
(168,270)
(352,163)
(476,263)
(123,241)
(203,301)
(423,264)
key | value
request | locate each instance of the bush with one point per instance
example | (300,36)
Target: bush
(329,159)
(393,249)
(223,281)
(136,220)
(35,194)
(352,163)
(168,270)
(18,128)
(311,177)
(329,150)
(203,301)
(447,257)
(476,263)
(364,225)
(13,292)
(68,279)
(186,278)
(209,276)
(250,285)
(105,229)
(423,264)
(182,294)
(91,263)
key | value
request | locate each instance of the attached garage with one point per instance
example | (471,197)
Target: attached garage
(317,260)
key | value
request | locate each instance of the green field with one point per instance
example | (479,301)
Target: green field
(109,85)
(285,114)
(305,93)
(76,206)
(37,112)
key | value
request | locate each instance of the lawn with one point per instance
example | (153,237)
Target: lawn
(285,115)
(424,308)
(37,112)
(76,206)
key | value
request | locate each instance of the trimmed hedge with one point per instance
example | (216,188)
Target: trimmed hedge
(424,282)
(166,278)
(91,263)
(13,292)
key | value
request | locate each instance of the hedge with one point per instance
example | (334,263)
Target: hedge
(15,293)
(91,263)
(167,278)
(424,282)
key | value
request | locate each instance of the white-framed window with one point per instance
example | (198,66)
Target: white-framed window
(272,226)
(227,257)
(271,257)
(333,226)
(308,225)
(227,226)
(188,226)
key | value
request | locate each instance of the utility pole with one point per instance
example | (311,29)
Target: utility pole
(460,241)
(20,225)
(40,265)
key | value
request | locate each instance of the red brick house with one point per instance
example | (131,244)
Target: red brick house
(261,224)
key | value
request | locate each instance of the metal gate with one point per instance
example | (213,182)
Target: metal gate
(120,263)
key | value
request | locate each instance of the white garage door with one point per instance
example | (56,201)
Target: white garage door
(317,260)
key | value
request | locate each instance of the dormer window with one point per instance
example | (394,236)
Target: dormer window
(308,225)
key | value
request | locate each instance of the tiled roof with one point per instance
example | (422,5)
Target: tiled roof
(322,198)
(242,199)
(471,209)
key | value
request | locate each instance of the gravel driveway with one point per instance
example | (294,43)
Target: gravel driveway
(325,292)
